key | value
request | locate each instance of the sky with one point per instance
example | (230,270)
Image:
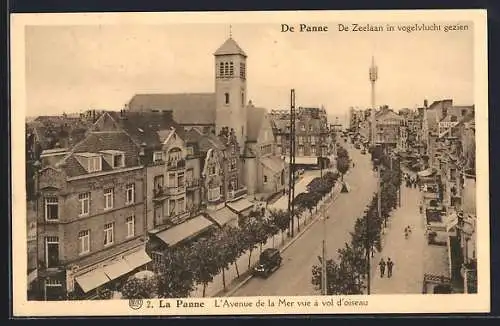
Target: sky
(75,68)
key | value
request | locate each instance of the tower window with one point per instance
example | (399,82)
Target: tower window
(242,70)
(221,69)
(242,99)
(231,69)
(226,96)
(226,69)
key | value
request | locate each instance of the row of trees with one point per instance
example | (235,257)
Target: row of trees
(348,274)
(185,267)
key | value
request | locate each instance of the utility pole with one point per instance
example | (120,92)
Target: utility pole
(368,258)
(324,287)
(291,182)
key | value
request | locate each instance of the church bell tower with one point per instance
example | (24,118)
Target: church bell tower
(231,89)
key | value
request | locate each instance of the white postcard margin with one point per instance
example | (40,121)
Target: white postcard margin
(479,302)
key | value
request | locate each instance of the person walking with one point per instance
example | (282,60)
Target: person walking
(381,264)
(390,265)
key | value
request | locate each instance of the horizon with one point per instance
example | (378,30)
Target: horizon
(103,67)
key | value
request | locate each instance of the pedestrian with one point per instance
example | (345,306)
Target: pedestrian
(382,267)
(390,265)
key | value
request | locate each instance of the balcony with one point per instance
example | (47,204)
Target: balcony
(236,194)
(193,184)
(176,165)
(161,193)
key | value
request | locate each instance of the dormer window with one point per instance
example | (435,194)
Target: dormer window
(189,150)
(92,162)
(116,159)
(158,156)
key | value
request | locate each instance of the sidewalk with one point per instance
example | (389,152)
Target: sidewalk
(412,257)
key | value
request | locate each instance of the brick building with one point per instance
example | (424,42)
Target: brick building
(90,218)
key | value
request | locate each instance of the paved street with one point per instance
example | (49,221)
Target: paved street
(294,276)
(413,256)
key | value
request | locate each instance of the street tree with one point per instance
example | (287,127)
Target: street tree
(175,275)
(354,260)
(339,280)
(205,261)
(306,200)
(342,165)
(282,220)
(249,238)
(140,288)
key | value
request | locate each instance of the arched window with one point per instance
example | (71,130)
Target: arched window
(231,69)
(226,69)
(242,98)
(226,97)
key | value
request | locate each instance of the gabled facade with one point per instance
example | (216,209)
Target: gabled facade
(91,223)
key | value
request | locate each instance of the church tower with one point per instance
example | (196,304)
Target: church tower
(231,89)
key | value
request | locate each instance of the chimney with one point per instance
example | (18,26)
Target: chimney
(426,104)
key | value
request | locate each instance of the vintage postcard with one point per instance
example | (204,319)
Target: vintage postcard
(232,163)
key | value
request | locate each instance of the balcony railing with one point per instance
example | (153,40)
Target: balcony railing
(236,194)
(193,183)
(164,191)
(176,165)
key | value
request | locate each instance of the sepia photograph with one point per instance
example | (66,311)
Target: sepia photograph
(244,160)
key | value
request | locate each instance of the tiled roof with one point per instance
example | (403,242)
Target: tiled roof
(187,108)
(210,141)
(255,117)
(144,127)
(66,133)
(275,164)
(230,47)
(98,141)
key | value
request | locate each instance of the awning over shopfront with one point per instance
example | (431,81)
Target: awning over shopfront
(92,280)
(223,216)
(137,259)
(184,230)
(426,173)
(274,164)
(304,160)
(116,269)
(112,270)
(240,205)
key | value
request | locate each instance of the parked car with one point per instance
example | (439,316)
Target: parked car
(269,260)
(357,146)
(363,151)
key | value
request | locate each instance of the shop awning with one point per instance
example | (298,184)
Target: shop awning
(92,280)
(275,164)
(223,216)
(116,269)
(240,205)
(303,160)
(184,230)
(426,173)
(137,259)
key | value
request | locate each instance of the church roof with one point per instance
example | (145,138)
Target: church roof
(255,117)
(230,47)
(187,108)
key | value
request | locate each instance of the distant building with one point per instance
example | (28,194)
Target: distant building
(387,127)
(313,136)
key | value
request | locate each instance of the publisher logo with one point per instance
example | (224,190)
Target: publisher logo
(135,303)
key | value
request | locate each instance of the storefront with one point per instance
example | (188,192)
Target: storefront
(110,274)
(224,216)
